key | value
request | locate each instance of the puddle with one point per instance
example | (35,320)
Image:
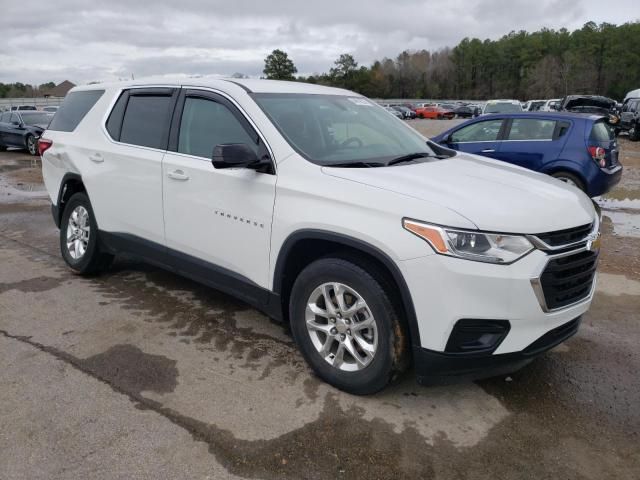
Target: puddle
(625,224)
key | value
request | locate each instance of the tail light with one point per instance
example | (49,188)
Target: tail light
(44,145)
(598,155)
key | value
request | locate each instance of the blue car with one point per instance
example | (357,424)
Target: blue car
(579,149)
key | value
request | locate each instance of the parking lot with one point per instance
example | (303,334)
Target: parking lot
(139,373)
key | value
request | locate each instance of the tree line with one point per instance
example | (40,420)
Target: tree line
(19,90)
(596,59)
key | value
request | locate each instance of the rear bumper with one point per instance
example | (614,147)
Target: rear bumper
(605,180)
(443,368)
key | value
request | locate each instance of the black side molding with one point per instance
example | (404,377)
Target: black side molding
(196,269)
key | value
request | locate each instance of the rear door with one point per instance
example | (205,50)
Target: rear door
(124,176)
(480,138)
(532,142)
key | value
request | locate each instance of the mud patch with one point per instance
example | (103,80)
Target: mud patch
(133,370)
(33,285)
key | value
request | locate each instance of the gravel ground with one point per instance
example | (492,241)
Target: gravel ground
(139,373)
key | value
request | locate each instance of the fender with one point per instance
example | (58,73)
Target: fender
(56,211)
(373,251)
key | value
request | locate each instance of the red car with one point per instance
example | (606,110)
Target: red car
(435,112)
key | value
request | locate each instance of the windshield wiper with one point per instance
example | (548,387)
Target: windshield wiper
(412,156)
(355,165)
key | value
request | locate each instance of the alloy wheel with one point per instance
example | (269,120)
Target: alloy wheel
(341,326)
(78,230)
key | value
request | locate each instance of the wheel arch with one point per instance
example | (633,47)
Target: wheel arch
(305,246)
(71,183)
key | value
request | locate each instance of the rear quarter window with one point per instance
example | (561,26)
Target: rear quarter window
(73,109)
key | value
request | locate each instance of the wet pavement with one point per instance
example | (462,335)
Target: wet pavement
(139,373)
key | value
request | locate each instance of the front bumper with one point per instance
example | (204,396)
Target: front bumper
(441,368)
(446,290)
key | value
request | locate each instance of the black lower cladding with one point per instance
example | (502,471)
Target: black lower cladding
(196,269)
(441,367)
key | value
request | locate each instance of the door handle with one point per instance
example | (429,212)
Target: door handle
(96,158)
(488,150)
(178,175)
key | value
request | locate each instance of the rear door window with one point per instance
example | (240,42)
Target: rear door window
(487,131)
(73,109)
(531,129)
(146,120)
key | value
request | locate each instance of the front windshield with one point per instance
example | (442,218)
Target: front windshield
(503,107)
(36,118)
(333,129)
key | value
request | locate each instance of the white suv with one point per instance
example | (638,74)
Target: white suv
(320,208)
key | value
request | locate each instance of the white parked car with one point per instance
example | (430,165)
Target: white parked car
(317,207)
(502,106)
(551,105)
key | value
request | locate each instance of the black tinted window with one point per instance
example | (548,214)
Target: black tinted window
(146,121)
(205,124)
(73,109)
(114,123)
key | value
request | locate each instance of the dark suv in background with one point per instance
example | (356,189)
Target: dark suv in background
(630,118)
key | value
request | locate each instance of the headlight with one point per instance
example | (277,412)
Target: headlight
(469,244)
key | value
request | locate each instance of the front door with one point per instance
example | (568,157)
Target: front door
(217,221)
(479,138)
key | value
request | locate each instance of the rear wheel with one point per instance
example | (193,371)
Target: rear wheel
(346,327)
(569,178)
(79,237)
(32,144)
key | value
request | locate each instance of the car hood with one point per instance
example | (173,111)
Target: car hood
(493,195)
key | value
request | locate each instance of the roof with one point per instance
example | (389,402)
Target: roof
(249,85)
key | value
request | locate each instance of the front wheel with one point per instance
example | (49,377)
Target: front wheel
(634,134)
(346,326)
(79,237)
(32,145)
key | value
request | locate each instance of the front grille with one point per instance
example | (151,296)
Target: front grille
(566,237)
(568,279)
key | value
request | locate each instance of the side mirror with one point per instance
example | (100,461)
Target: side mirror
(16,124)
(446,139)
(238,155)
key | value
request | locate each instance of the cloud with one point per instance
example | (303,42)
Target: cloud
(88,41)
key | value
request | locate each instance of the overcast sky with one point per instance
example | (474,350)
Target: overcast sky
(85,41)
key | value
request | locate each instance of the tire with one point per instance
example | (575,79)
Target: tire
(569,178)
(439,117)
(32,144)
(634,134)
(83,255)
(384,336)
(421,116)
(3,148)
